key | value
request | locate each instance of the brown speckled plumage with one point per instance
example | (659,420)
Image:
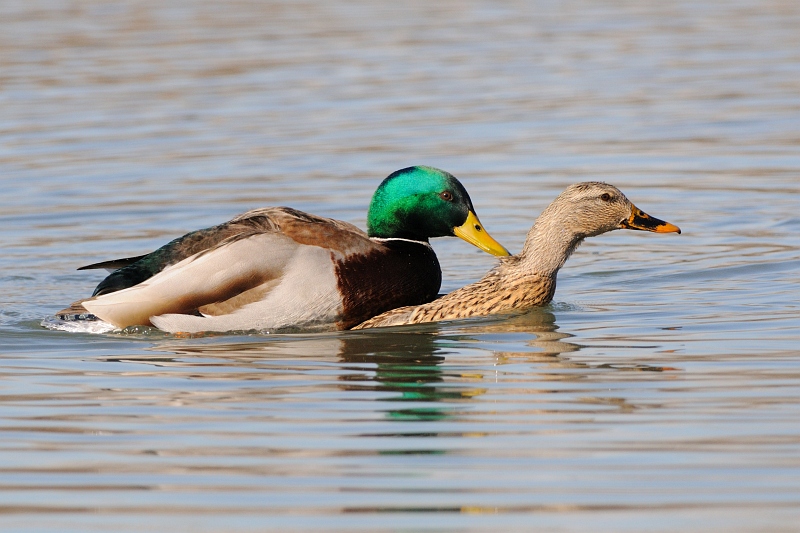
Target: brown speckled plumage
(493,294)
(528,279)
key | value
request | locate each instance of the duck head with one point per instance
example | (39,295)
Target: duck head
(422,202)
(582,210)
(590,208)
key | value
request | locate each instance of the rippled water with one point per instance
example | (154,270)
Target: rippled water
(659,392)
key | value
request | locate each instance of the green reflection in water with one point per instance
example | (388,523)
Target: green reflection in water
(406,363)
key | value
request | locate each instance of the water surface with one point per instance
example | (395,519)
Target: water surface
(659,392)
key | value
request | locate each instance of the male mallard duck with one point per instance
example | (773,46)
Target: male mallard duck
(277,267)
(528,279)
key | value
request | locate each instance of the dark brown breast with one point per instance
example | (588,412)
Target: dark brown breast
(397,274)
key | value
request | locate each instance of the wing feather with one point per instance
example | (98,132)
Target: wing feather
(211,276)
(233,272)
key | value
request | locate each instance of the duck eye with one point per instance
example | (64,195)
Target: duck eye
(605,197)
(447,196)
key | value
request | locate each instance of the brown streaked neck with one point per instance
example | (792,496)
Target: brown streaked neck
(548,245)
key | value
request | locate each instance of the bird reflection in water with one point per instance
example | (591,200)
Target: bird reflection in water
(409,361)
(431,371)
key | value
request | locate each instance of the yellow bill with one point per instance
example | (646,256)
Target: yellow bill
(472,231)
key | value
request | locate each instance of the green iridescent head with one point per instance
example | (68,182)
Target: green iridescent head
(422,202)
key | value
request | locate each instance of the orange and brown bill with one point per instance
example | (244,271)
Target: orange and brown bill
(642,221)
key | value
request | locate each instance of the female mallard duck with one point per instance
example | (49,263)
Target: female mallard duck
(528,279)
(274,268)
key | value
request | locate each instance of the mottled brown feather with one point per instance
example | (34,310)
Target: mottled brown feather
(493,294)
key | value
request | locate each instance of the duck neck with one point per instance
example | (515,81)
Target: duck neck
(548,246)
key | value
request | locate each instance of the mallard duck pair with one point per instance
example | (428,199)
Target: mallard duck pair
(276,268)
(528,279)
